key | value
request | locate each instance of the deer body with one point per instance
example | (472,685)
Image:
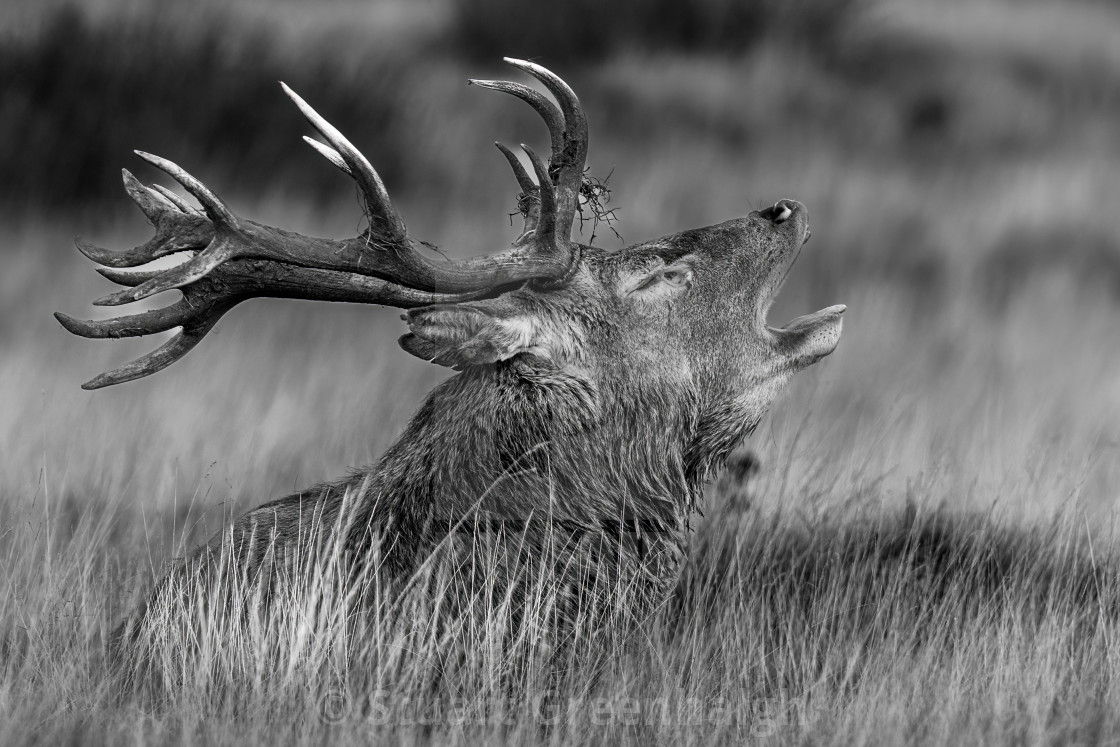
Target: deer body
(598,390)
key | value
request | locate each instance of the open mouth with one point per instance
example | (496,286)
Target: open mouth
(812,336)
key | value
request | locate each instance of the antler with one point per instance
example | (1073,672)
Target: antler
(239,259)
(549,214)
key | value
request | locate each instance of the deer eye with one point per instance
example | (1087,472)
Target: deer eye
(672,279)
(677,277)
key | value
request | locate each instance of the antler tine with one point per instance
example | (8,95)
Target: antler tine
(329,153)
(133,325)
(215,208)
(176,200)
(140,255)
(570,160)
(190,271)
(151,203)
(158,359)
(528,186)
(130,278)
(373,189)
(545,108)
(529,203)
(545,229)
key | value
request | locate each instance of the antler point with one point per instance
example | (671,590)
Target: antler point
(63,319)
(293,95)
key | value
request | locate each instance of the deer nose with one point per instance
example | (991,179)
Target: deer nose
(780,212)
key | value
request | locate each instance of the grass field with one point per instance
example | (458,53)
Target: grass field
(928,554)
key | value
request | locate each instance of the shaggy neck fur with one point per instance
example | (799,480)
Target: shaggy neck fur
(509,444)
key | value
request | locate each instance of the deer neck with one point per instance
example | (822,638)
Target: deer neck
(494,441)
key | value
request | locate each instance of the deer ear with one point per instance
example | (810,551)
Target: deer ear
(461,335)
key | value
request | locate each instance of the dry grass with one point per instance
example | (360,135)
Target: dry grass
(916,626)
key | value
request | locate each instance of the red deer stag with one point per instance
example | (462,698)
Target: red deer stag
(598,390)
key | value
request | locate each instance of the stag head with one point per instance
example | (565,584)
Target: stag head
(678,323)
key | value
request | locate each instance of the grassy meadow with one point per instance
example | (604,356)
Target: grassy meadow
(928,553)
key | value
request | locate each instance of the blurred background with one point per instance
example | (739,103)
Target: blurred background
(960,160)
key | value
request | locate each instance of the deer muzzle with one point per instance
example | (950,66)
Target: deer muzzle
(808,338)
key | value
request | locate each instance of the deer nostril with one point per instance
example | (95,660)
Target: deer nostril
(778,214)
